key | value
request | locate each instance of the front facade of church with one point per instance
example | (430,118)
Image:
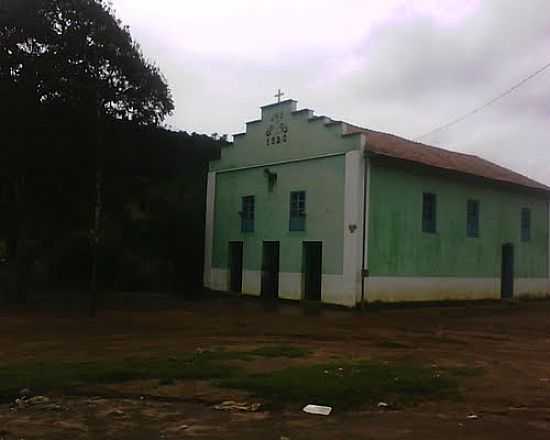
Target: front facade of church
(304,207)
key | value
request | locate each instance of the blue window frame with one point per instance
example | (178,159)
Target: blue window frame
(525,224)
(248,209)
(429,213)
(297,218)
(472,218)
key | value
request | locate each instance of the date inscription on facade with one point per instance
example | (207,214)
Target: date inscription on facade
(277,132)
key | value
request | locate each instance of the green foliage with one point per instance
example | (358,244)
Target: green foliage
(77,53)
(349,384)
(78,95)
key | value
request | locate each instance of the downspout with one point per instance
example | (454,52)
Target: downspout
(364,257)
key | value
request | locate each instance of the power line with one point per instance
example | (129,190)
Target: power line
(484,106)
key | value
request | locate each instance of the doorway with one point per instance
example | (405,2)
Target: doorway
(507,274)
(236,266)
(313,268)
(270,270)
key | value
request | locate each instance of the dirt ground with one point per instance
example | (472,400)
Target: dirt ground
(509,342)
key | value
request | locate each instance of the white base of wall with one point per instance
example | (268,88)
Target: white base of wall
(401,289)
(252,282)
(333,289)
(387,289)
(219,279)
(532,287)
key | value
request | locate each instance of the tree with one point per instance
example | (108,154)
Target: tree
(74,58)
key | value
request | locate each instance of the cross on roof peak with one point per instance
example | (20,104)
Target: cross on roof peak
(279,95)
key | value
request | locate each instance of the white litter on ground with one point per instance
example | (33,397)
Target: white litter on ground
(318,410)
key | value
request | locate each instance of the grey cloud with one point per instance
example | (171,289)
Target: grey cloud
(408,76)
(417,75)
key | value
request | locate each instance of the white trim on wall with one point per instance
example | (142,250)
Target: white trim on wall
(209,229)
(282,162)
(353,225)
(367,217)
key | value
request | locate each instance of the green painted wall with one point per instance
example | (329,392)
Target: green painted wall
(398,247)
(304,138)
(322,179)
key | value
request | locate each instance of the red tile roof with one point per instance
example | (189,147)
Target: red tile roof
(397,147)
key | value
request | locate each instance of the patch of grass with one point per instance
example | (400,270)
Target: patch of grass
(268,351)
(392,344)
(44,377)
(200,365)
(445,340)
(272,351)
(218,355)
(349,385)
(466,371)
(167,381)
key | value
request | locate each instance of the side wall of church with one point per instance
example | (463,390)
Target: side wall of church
(407,264)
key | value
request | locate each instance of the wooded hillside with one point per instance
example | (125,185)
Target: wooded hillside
(92,189)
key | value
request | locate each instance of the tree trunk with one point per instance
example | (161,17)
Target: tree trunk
(95,238)
(7,283)
(20,272)
(98,208)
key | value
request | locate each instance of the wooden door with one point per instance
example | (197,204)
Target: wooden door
(236,266)
(313,262)
(270,270)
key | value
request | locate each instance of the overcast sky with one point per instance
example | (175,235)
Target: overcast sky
(400,66)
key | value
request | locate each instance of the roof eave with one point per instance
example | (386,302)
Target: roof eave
(539,188)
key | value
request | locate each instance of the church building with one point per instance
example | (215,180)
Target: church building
(303,207)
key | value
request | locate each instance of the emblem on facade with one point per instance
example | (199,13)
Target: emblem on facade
(277,132)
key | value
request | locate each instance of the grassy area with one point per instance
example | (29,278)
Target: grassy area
(45,377)
(200,365)
(342,385)
(466,371)
(392,344)
(272,351)
(351,384)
